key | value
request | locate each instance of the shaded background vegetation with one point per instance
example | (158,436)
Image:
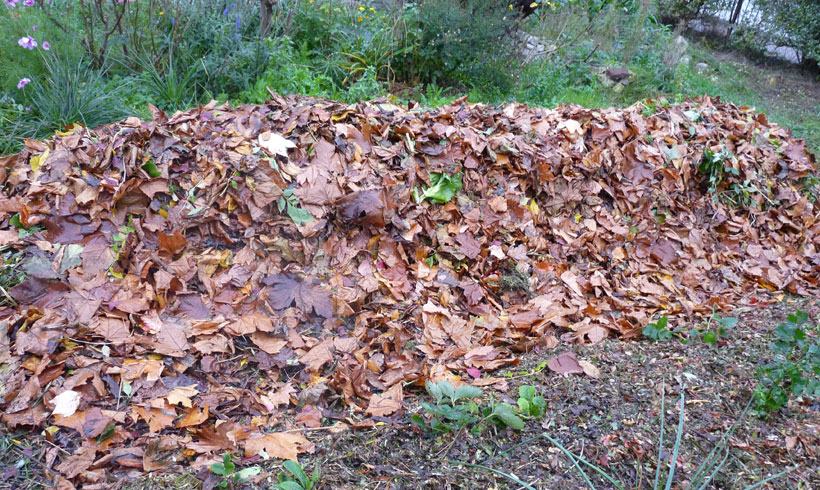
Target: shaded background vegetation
(107,59)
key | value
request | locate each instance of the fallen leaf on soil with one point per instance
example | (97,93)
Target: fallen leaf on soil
(281,445)
(565,363)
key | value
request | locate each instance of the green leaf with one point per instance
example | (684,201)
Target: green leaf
(296,470)
(662,322)
(289,485)
(15,222)
(526,391)
(443,187)
(246,473)
(417,420)
(710,337)
(467,391)
(447,389)
(151,169)
(434,390)
(524,406)
(504,412)
(298,215)
(219,469)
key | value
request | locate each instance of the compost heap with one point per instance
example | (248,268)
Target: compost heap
(190,280)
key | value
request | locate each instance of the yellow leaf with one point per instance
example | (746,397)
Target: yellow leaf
(37,160)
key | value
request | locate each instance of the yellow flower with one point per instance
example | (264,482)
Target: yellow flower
(360,18)
(511,7)
(533,5)
(372,9)
(361,7)
(161,12)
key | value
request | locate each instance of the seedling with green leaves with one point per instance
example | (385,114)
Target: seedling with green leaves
(227,470)
(715,167)
(795,366)
(299,215)
(442,188)
(657,331)
(453,409)
(717,326)
(529,403)
(296,478)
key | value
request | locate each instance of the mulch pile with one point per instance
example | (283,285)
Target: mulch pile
(173,309)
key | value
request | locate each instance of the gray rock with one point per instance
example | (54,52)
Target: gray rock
(701,67)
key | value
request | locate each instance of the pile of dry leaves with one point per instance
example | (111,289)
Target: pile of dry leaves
(191,279)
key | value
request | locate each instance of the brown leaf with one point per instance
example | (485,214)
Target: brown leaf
(318,356)
(193,417)
(309,295)
(565,363)
(97,256)
(171,341)
(283,445)
(171,245)
(310,416)
(157,419)
(363,207)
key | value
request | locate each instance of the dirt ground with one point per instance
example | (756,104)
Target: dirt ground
(612,420)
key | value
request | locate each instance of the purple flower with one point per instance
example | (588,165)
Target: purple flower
(238,23)
(34,27)
(46,45)
(28,3)
(11,3)
(27,42)
(23,82)
(225,12)
(173,21)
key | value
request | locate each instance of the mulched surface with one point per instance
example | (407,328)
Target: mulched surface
(179,304)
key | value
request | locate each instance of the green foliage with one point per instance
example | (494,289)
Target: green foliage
(795,366)
(10,273)
(714,166)
(442,188)
(69,92)
(455,409)
(297,213)
(530,404)
(227,470)
(657,331)
(297,479)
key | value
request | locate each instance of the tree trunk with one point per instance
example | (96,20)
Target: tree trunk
(265,12)
(734,17)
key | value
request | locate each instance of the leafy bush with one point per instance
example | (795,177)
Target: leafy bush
(795,368)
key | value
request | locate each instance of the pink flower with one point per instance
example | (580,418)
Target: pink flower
(46,45)
(27,42)
(34,27)
(28,3)
(23,82)
(11,3)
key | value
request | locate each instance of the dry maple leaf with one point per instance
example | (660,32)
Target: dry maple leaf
(285,289)
(283,445)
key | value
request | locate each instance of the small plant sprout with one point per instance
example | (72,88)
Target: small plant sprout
(227,470)
(296,478)
(657,331)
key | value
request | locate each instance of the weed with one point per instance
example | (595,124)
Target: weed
(227,470)
(530,404)
(455,409)
(297,479)
(699,480)
(442,188)
(513,280)
(298,214)
(795,368)
(657,331)
(714,167)
(10,273)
